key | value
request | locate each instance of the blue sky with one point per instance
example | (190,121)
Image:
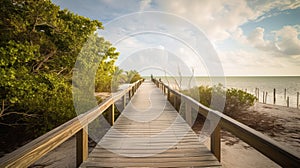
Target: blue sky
(247,38)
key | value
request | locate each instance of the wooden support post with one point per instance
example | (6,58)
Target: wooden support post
(81,146)
(258,94)
(132,91)
(129,94)
(288,101)
(215,142)
(174,102)
(134,88)
(255,92)
(297,100)
(266,97)
(166,90)
(124,101)
(168,94)
(178,103)
(188,113)
(285,94)
(274,96)
(263,96)
(111,114)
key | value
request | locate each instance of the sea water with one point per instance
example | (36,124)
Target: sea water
(265,84)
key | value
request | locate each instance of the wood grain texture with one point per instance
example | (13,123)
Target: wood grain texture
(146,135)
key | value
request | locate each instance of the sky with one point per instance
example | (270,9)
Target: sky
(200,37)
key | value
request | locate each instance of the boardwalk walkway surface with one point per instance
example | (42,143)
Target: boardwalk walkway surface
(150,133)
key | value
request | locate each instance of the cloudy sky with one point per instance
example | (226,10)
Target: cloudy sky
(207,37)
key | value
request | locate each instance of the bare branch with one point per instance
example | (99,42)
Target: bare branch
(166,77)
(2,109)
(190,80)
(180,77)
(45,60)
(45,24)
(61,70)
(18,113)
(11,125)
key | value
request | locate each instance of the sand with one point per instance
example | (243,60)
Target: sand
(278,122)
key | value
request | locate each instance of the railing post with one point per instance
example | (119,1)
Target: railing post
(174,100)
(81,146)
(124,101)
(297,100)
(274,96)
(284,93)
(178,103)
(111,114)
(215,142)
(168,94)
(188,113)
(133,90)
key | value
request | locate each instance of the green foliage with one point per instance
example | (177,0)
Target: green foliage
(132,76)
(236,100)
(38,49)
(105,72)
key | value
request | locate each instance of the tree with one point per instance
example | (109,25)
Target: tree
(38,49)
(132,76)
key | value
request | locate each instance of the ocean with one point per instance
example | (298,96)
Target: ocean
(265,84)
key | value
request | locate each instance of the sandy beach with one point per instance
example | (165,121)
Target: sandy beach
(280,123)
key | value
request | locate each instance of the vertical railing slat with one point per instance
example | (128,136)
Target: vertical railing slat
(81,146)
(215,142)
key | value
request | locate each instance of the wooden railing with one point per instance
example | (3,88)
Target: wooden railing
(78,126)
(267,146)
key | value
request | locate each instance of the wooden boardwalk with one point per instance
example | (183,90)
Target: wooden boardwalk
(150,133)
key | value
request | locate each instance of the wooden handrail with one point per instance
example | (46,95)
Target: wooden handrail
(280,154)
(34,150)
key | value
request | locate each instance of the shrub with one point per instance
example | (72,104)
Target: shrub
(236,100)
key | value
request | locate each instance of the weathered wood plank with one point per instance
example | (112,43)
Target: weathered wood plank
(151,164)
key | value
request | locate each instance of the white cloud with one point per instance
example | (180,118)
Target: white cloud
(216,18)
(287,40)
(285,43)
(245,62)
(144,4)
(256,38)
(266,5)
(221,18)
